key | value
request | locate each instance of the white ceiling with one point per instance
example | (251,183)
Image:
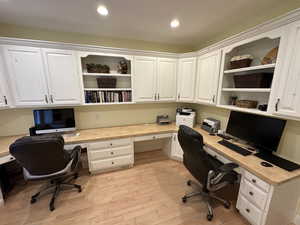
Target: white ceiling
(201,20)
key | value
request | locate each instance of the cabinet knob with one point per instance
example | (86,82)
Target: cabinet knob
(46,98)
(5,100)
(111,153)
(277,103)
(110,144)
(213,98)
(253,180)
(51,98)
(157,96)
(112,162)
(248,210)
(251,193)
(153,137)
(178,96)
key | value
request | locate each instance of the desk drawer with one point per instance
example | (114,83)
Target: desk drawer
(111,163)
(152,137)
(257,181)
(111,152)
(249,211)
(108,144)
(254,194)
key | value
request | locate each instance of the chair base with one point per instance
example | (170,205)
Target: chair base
(55,186)
(210,196)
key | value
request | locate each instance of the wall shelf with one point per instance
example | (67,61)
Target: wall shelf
(108,103)
(107,89)
(105,75)
(235,108)
(247,89)
(251,68)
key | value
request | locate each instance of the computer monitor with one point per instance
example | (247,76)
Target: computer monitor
(261,132)
(54,120)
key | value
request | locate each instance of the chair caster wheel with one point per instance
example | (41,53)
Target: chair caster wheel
(189,182)
(209,217)
(184,199)
(227,205)
(51,207)
(33,200)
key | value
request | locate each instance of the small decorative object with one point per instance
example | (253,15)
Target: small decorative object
(91,68)
(123,67)
(263,107)
(255,80)
(246,104)
(232,100)
(270,57)
(241,61)
(106,82)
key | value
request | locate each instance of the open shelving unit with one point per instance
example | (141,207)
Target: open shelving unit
(257,48)
(110,88)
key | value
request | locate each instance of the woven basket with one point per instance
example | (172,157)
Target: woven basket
(246,103)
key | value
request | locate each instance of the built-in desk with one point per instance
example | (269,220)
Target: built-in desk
(268,195)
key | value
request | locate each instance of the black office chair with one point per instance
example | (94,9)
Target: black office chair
(44,158)
(208,171)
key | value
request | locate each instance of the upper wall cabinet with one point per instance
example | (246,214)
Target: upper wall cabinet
(208,68)
(287,98)
(145,78)
(186,79)
(27,75)
(166,79)
(38,80)
(155,79)
(62,75)
(4,102)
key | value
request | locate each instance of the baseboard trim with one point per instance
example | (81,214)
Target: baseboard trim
(297,220)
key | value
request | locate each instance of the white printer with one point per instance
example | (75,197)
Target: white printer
(185,116)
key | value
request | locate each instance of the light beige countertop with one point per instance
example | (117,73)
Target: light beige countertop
(272,175)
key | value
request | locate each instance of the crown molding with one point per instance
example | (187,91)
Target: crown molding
(83,47)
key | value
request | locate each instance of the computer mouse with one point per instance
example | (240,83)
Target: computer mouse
(266,164)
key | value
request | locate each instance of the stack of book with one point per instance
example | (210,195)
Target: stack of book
(107,96)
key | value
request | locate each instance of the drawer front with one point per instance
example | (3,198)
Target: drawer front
(152,137)
(257,181)
(254,194)
(108,144)
(111,163)
(111,152)
(249,211)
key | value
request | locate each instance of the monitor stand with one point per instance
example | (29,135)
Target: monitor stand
(278,161)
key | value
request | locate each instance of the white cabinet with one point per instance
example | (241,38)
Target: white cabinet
(166,79)
(186,79)
(63,78)
(155,79)
(42,76)
(144,78)
(27,75)
(287,100)
(208,68)
(3,86)
(176,150)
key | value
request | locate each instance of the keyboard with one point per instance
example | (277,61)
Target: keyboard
(235,148)
(278,161)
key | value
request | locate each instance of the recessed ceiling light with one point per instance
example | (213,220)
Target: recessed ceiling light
(102,10)
(175,23)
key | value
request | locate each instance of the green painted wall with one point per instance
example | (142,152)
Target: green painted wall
(15,31)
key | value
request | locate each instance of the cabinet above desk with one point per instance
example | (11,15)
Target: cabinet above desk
(272,175)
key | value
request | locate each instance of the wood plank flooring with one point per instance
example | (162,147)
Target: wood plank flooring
(147,194)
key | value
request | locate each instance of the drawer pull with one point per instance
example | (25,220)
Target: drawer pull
(153,137)
(251,193)
(253,180)
(110,144)
(248,210)
(111,153)
(112,163)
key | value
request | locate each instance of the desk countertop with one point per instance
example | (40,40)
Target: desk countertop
(273,175)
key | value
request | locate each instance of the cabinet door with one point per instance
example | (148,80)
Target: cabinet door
(27,75)
(63,78)
(287,101)
(208,68)
(186,79)
(145,78)
(176,152)
(166,79)
(3,88)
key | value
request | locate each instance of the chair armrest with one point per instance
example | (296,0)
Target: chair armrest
(227,167)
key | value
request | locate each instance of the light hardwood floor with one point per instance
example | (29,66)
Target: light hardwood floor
(147,194)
